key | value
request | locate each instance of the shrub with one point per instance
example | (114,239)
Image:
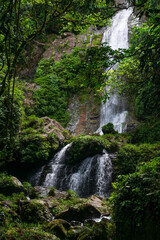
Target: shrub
(129,156)
(135,203)
(147,132)
(108,128)
(34,148)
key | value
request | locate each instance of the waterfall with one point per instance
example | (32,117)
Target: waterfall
(114,110)
(91,176)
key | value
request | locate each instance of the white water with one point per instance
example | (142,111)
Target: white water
(93,173)
(91,176)
(114,110)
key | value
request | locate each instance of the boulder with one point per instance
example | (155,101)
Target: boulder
(10,185)
(52,126)
(85,211)
(98,203)
(35,211)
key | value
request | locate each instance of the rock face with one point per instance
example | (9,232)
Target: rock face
(84,116)
(60,45)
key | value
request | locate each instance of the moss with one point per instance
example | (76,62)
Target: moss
(87,146)
(80,213)
(70,200)
(25,234)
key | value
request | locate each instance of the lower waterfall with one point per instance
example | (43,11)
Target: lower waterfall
(91,176)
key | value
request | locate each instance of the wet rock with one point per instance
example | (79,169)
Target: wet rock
(95,201)
(85,211)
(75,231)
(75,223)
(89,221)
(42,191)
(16,181)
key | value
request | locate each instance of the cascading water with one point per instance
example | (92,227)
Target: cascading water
(114,110)
(94,174)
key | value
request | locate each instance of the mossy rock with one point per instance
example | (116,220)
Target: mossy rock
(10,185)
(59,227)
(25,234)
(35,211)
(80,213)
(86,146)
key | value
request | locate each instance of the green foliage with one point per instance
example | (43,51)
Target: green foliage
(25,231)
(127,77)
(147,132)
(129,156)
(50,99)
(79,71)
(135,203)
(52,191)
(9,127)
(108,128)
(147,51)
(35,149)
(71,194)
(65,203)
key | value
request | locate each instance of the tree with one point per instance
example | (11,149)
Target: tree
(21,21)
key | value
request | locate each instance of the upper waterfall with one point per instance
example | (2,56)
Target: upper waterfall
(116,36)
